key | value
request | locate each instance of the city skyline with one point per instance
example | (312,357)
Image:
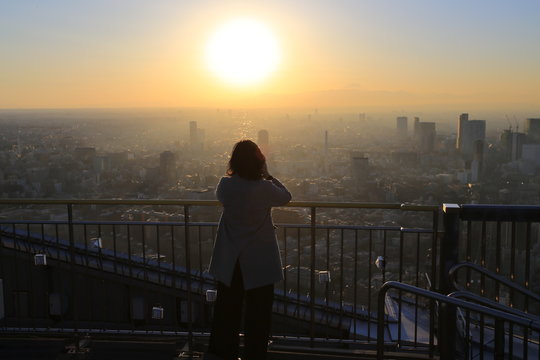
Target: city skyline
(406,55)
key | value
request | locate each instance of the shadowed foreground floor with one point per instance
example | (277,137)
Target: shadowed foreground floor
(83,348)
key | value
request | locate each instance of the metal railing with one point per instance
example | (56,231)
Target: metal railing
(502,239)
(154,263)
(500,281)
(152,255)
(511,285)
(492,347)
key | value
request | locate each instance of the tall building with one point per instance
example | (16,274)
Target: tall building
(531,158)
(359,167)
(326,142)
(426,137)
(518,140)
(201,136)
(477,162)
(416,126)
(193,135)
(263,138)
(533,129)
(401,126)
(512,144)
(463,119)
(470,132)
(167,166)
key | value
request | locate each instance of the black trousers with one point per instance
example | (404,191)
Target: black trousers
(224,340)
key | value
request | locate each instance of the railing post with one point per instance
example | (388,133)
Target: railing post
(448,258)
(71,234)
(499,339)
(449,246)
(188,279)
(312,278)
(380,321)
(434,252)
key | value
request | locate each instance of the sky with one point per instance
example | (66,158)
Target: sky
(409,54)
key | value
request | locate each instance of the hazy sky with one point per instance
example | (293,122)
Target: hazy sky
(408,53)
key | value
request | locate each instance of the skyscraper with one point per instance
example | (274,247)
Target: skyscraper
(416,126)
(193,135)
(359,168)
(401,126)
(512,144)
(167,166)
(533,129)
(470,132)
(463,119)
(326,142)
(263,138)
(426,137)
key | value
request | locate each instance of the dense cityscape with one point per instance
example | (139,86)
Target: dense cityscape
(320,157)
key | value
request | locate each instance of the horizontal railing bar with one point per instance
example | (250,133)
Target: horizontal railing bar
(108,202)
(48,330)
(358,205)
(196,224)
(198,334)
(500,212)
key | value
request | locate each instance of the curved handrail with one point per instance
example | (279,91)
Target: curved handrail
(503,315)
(452,274)
(493,304)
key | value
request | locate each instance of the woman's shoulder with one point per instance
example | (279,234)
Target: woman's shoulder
(233,180)
(238,179)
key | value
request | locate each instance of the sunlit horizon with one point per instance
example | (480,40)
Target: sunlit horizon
(365,55)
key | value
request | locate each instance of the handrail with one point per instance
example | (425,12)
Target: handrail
(452,274)
(215,223)
(358,205)
(494,304)
(496,212)
(529,323)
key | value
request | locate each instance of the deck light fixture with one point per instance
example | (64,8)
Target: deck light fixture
(324,276)
(157,313)
(40,259)
(211,296)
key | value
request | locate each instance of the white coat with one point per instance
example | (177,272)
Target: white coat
(246,231)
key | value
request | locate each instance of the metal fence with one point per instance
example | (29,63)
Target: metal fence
(132,266)
(119,266)
(485,332)
(501,241)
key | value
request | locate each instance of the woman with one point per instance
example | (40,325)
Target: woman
(246,260)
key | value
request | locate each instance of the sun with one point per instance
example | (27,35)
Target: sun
(243,52)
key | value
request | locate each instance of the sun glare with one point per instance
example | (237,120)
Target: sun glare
(243,52)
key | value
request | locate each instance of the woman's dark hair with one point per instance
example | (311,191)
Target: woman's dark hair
(247,160)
